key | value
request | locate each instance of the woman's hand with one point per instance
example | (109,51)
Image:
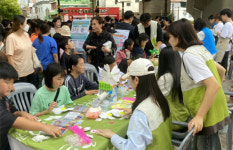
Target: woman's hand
(51,107)
(197,123)
(105,132)
(126,110)
(105,50)
(90,47)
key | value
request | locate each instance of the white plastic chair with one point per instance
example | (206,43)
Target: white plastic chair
(90,71)
(23,95)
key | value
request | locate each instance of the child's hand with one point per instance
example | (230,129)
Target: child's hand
(52,130)
(105,132)
(126,110)
(121,79)
(91,92)
(29,116)
(52,106)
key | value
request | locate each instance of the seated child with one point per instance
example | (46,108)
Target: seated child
(123,66)
(140,44)
(76,82)
(53,93)
(110,60)
(67,46)
(9,116)
(150,124)
(125,52)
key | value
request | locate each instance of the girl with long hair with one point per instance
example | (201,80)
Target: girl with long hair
(200,85)
(46,47)
(150,124)
(19,50)
(169,84)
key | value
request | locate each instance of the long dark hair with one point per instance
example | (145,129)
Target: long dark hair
(170,62)
(45,28)
(148,86)
(185,32)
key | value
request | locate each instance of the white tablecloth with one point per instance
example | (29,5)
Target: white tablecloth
(17,145)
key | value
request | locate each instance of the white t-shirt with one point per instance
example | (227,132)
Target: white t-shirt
(165,83)
(218,28)
(201,35)
(227,32)
(196,68)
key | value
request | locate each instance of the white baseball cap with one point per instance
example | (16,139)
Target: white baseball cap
(139,67)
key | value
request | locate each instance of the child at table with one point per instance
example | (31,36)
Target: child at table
(150,124)
(115,71)
(125,52)
(53,93)
(9,116)
(76,82)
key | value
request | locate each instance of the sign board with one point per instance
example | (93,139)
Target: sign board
(79,33)
(120,36)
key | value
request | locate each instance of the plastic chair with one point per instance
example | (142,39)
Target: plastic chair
(186,143)
(178,136)
(229,129)
(90,71)
(23,95)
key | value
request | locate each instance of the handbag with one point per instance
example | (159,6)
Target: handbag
(35,60)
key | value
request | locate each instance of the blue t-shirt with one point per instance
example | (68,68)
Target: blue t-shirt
(45,50)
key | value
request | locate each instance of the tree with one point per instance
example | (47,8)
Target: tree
(9,8)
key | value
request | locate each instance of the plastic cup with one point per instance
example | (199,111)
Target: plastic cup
(104,105)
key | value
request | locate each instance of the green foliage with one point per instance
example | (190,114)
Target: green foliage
(171,17)
(9,8)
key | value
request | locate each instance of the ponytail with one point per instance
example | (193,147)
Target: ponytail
(45,28)
(40,38)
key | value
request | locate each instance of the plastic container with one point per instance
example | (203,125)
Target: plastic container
(105,105)
(98,100)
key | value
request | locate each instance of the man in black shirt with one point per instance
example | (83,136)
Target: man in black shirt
(126,24)
(152,29)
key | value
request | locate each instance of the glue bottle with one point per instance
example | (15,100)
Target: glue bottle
(99,99)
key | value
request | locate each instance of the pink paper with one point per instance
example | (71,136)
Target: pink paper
(81,134)
(128,98)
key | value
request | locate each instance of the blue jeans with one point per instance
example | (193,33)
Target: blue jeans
(207,142)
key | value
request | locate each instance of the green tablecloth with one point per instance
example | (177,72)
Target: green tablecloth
(119,127)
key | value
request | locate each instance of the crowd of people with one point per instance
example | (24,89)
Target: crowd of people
(192,62)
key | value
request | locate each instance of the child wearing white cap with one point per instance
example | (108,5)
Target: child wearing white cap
(150,123)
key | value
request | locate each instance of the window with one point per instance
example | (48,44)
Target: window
(136,1)
(128,4)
